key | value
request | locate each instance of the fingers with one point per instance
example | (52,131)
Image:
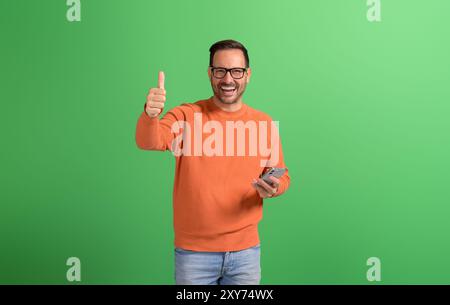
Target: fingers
(263,191)
(271,190)
(161,78)
(155,101)
(157,91)
(158,105)
(275,181)
(156,97)
(152,112)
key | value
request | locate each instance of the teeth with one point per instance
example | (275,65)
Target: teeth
(227,88)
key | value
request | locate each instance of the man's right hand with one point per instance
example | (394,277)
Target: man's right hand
(156,98)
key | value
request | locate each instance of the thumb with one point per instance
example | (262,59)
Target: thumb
(161,77)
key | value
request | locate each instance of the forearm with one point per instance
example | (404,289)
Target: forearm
(149,134)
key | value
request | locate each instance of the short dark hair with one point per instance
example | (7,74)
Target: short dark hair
(226,45)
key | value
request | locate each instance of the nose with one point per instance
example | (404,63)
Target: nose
(228,78)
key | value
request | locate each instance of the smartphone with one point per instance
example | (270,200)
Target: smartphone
(273,171)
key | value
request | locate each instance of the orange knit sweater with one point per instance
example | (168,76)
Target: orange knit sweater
(215,206)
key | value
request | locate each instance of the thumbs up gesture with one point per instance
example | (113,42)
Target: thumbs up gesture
(156,98)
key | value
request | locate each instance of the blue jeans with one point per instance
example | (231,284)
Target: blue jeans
(218,268)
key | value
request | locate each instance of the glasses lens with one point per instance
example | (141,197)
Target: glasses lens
(237,73)
(219,73)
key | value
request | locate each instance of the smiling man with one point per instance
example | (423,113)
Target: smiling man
(218,193)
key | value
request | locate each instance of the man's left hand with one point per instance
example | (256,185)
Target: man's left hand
(264,189)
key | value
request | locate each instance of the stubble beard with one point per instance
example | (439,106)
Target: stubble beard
(228,102)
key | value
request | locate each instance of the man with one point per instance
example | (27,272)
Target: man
(218,195)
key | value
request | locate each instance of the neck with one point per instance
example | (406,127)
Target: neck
(228,107)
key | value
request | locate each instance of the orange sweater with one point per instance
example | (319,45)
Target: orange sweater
(215,206)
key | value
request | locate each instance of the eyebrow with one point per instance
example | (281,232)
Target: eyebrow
(228,68)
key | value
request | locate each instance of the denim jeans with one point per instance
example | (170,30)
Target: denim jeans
(218,268)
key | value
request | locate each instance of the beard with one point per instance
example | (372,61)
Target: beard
(228,99)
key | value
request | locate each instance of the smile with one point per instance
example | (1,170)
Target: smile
(228,91)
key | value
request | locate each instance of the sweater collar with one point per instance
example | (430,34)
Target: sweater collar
(212,107)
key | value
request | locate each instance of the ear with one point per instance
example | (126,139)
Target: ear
(249,74)
(209,72)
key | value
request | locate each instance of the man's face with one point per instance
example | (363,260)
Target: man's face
(229,90)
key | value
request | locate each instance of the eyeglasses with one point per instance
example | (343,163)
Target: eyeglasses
(236,73)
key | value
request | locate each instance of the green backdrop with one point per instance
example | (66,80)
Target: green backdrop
(364,120)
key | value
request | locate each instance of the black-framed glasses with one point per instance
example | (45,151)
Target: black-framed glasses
(236,73)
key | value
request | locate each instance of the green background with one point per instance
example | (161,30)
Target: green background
(364,120)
